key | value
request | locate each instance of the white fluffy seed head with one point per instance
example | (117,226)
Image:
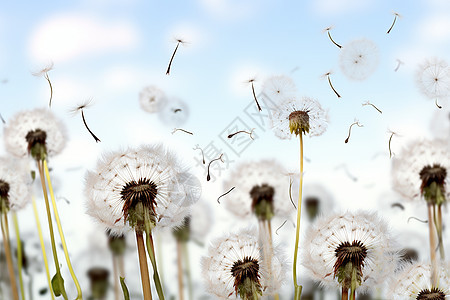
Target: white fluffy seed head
(359,59)
(413,158)
(152,99)
(279,87)
(174,188)
(329,232)
(15,174)
(23,122)
(318,117)
(225,251)
(250,174)
(174,113)
(416,277)
(433,78)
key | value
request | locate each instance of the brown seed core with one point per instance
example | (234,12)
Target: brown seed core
(434,294)
(430,174)
(347,252)
(143,191)
(4,189)
(34,137)
(299,122)
(260,193)
(243,269)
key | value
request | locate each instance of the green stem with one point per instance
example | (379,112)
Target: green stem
(151,254)
(438,222)
(188,269)
(19,254)
(298,288)
(61,233)
(353,284)
(116,278)
(143,266)
(180,271)
(432,237)
(344,295)
(60,283)
(9,260)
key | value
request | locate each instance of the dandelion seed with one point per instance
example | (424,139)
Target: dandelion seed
(390,140)
(291,181)
(350,129)
(433,79)
(242,131)
(44,72)
(399,63)
(347,172)
(371,104)
(174,113)
(180,129)
(177,110)
(399,205)
(276,231)
(278,88)
(417,219)
(396,15)
(197,147)
(208,177)
(327,75)
(81,108)
(152,99)
(359,59)
(251,81)
(327,30)
(179,41)
(295,69)
(3,120)
(225,194)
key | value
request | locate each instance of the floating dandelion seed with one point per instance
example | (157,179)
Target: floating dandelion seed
(371,104)
(177,110)
(279,87)
(225,194)
(179,41)
(242,131)
(390,140)
(208,177)
(197,147)
(347,172)
(327,75)
(3,120)
(359,59)
(396,15)
(327,30)
(399,63)
(276,231)
(399,205)
(152,99)
(174,113)
(291,182)
(350,129)
(251,81)
(81,108)
(44,72)
(180,129)
(433,79)
(417,219)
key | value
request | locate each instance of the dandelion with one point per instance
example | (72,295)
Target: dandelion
(359,59)
(250,133)
(143,189)
(413,282)
(98,278)
(179,41)
(399,63)
(299,117)
(251,81)
(433,79)
(235,265)
(175,113)
(44,73)
(279,87)
(81,108)
(350,129)
(327,30)
(421,172)
(152,99)
(327,75)
(317,200)
(208,176)
(396,15)
(351,251)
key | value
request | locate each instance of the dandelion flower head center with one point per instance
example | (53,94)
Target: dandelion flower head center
(349,256)
(433,183)
(36,143)
(139,195)
(312,206)
(246,277)
(4,190)
(182,233)
(299,122)
(262,201)
(116,243)
(434,294)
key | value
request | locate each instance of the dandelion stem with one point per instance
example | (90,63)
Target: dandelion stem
(51,89)
(329,35)
(438,223)
(432,236)
(159,259)
(19,254)
(145,278)
(126,294)
(180,271)
(88,129)
(344,294)
(188,269)
(171,59)
(116,278)
(61,233)
(392,26)
(350,130)
(9,260)
(298,288)
(56,281)
(254,96)
(151,253)
(332,87)
(41,240)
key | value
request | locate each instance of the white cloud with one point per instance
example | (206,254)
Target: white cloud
(337,7)
(435,29)
(69,36)
(231,9)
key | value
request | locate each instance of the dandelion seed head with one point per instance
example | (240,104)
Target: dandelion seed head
(433,78)
(299,116)
(361,237)
(44,70)
(359,59)
(152,99)
(15,184)
(30,127)
(413,281)
(279,87)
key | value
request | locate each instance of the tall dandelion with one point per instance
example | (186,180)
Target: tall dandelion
(143,190)
(299,117)
(351,251)
(39,134)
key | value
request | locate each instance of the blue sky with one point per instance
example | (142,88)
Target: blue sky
(110,50)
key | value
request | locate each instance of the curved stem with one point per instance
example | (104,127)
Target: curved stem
(19,254)
(41,240)
(61,233)
(151,253)
(180,271)
(9,260)
(145,278)
(188,269)
(298,288)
